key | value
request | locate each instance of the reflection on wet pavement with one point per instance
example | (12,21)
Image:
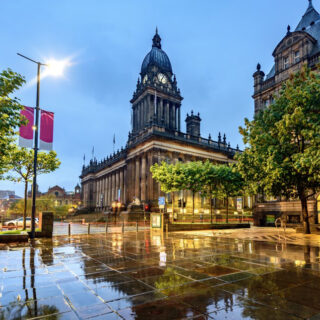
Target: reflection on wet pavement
(154,276)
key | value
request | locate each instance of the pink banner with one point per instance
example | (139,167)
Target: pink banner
(26,132)
(46,130)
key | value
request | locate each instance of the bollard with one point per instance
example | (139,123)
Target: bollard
(69,229)
(88,228)
(137,227)
(106,227)
(122,227)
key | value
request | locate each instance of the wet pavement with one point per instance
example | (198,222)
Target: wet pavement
(157,276)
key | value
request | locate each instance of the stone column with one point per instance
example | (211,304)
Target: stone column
(144,115)
(125,183)
(150,180)
(95,190)
(117,183)
(112,187)
(108,190)
(179,118)
(140,115)
(134,118)
(121,185)
(167,111)
(148,102)
(143,178)
(137,182)
(161,112)
(105,192)
(129,182)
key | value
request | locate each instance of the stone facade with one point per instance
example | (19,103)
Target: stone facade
(155,136)
(298,48)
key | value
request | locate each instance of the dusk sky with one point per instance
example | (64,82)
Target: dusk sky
(214,47)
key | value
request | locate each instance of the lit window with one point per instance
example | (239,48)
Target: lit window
(297,56)
(286,62)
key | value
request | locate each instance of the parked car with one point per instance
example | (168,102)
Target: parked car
(19,222)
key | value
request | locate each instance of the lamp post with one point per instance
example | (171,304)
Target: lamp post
(35,158)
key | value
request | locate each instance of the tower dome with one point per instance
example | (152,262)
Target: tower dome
(156,57)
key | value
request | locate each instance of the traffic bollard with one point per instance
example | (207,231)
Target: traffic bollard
(69,229)
(88,228)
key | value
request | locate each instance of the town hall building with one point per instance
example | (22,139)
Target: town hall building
(156,135)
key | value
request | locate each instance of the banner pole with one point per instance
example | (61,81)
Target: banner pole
(35,159)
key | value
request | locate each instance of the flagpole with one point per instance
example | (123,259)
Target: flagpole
(35,158)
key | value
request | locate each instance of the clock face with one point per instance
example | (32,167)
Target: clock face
(162,78)
(145,79)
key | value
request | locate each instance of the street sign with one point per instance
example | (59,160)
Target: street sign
(162,202)
(156,220)
(239,203)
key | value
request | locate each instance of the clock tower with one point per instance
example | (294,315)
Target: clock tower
(157,99)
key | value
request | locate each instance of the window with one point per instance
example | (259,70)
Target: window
(297,56)
(286,63)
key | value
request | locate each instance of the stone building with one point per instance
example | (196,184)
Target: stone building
(298,47)
(155,136)
(63,197)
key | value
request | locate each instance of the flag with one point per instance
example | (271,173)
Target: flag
(26,132)
(46,130)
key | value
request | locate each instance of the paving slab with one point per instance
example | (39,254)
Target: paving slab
(143,275)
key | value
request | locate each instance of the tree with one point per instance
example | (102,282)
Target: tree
(21,162)
(170,176)
(211,183)
(10,117)
(230,184)
(283,153)
(194,179)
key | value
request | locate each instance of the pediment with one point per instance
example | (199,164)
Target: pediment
(291,39)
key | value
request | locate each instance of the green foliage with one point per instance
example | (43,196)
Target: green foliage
(283,153)
(10,118)
(213,181)
(194,178)
(43,203)
(21,165)
(229,182)
(170,176)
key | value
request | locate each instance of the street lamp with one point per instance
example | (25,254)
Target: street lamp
(54,68)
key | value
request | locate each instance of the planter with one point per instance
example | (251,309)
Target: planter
(7,238)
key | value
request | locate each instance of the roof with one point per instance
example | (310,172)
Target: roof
(310,16)
(309,23)
(156,57)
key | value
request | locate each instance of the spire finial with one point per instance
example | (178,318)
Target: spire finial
(258,67)
(156,41)
(288,29)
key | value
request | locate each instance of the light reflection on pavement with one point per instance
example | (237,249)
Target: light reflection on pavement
(145,275)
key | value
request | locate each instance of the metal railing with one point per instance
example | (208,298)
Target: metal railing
(81,227)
